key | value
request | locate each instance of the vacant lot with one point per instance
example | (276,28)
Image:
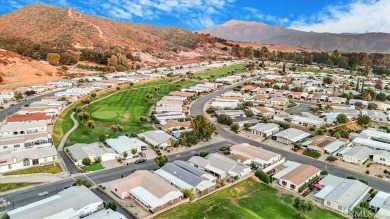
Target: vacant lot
(247,199)
(50,168)
(125,108)
(10,186)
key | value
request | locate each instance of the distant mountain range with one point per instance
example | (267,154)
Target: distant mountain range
(259,32)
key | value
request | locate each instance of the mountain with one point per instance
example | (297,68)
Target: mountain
(19,71)
(259,32)
(67,27)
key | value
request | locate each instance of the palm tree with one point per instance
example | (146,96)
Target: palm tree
(334,90)
(328,108)
(91,125)
(149,96)
(344,86)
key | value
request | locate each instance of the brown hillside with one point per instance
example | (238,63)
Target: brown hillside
(67,26)
(19,71)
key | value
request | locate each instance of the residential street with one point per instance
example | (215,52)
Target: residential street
(197,109)
(15,108)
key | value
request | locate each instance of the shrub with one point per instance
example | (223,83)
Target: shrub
(188,194)
(324,172)
(86,161)
(263,176)
(312,129)
(203,153)
(235,127)
(331,158)
(367,172)
(225,119)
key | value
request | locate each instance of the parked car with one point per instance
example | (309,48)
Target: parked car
(143,148)
(140,161)
(142,154)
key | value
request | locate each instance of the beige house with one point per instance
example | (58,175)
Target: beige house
(147,189)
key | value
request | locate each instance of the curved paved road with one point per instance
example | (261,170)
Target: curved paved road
(197,108)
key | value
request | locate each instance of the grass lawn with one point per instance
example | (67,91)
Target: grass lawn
(128,106)
(312,154)
(50,168)
(93,167)
(247,199)
(9,186)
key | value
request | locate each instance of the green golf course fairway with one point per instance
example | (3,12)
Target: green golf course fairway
(104,115)
(247,199)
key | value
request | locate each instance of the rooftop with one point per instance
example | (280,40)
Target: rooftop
(293,134)
(252,152)
(28,117)
(124,143)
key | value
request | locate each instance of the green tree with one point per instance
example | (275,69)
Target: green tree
(18,95)
(102,138)
(249,113)
(86,161)
(328,108)
(134,151)
(161,160)
(188,194)
(363,119)
(381,97)
(235,127)
(201,128)
(263,176)
(358,105)
(379,84)
(82,182)
(342,118)
(225,119)
(125,154)
(327,80)
(203,153)
(303,205)
(53,58)
(111,204)
(91,125)
(372,106)
(114,128)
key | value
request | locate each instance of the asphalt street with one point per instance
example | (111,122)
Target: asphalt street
(197,109)
(15,108)
(29,195)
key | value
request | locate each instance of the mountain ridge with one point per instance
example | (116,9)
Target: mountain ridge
(250,31)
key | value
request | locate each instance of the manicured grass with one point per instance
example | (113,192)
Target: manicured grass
(9,186)
(93,167)
(50,168)
(312,154)
(103,115)
(129,105)
(247,199)
(219,72)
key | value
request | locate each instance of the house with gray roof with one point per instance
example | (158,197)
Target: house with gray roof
(124,144)
(381,157)
(380,199)
(184,176)
(94,151)
(291,135)
(264,129)
(340,194)
(220,166)
(74,202)
(157,138)
(357,155)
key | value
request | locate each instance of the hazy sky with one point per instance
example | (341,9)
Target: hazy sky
(354,16)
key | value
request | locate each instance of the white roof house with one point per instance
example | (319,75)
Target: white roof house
(251,154)
(185,176)
(380,199)
(22,128)
(300,120)
(374,139)
(220,166)
(74,202)
(265,129)
(157,138)
(147,188)
(163,117)
(291,135)
(93,151)
(375,115)
(381,157)
(20,159)
(124,144)
(357,154)
(341,194)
